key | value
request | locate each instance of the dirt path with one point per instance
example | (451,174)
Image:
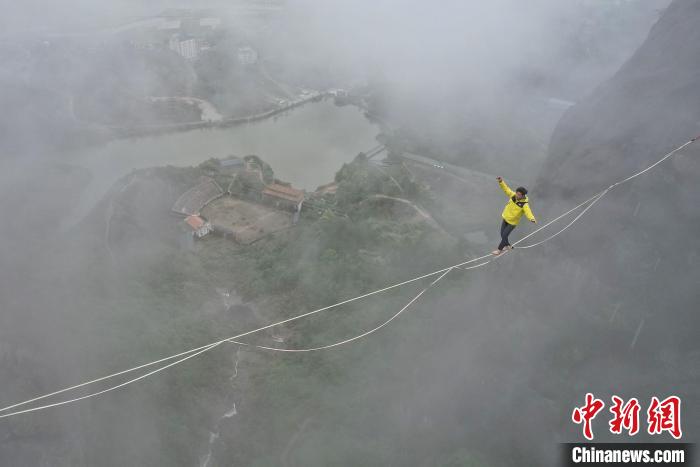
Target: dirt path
(424,214)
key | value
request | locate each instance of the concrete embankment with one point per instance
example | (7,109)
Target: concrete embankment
(147,130)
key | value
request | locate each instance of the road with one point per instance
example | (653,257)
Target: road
(462,173)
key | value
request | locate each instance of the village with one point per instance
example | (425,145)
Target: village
(239,198)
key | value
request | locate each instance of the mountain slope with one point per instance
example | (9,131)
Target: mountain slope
(649,107)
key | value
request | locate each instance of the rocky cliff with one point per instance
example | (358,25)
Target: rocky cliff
(650,106)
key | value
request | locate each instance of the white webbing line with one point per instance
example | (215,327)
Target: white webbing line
(356,337)
(210,346)
(199,350)
(595,198)
(112,388)
(375,329)
(592,203)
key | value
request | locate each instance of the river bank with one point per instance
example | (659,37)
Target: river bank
(224,122)
(306,143)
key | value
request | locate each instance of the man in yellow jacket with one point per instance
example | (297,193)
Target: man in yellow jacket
(518,204)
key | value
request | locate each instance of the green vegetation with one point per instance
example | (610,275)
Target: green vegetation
(326,258)
(360,179)
(329,255)
(170,301)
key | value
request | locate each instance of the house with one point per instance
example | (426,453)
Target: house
(193,200)
(328,188)
(232,163)
(199,226)
(283,196)
(247,56)
(184,46)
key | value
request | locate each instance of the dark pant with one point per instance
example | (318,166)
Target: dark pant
(506,229)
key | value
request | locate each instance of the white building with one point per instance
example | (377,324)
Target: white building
(188,48)
(185,47)
(247,56)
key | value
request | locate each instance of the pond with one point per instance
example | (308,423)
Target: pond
(304,146)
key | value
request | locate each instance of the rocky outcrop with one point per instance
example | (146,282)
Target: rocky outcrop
(649,107)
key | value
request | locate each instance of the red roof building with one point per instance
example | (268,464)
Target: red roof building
(199,226)
(285,192)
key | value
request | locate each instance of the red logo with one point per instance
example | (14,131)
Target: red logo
(661,416)
(626,416)
(587,413)
(665,416)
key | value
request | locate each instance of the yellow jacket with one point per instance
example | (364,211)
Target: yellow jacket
(516,207)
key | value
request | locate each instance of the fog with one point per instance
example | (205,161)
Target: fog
(98,274)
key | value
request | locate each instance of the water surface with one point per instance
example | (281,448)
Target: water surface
(304,146)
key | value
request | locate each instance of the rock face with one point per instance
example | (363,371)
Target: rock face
(649,107)
(621,284)
(640,238)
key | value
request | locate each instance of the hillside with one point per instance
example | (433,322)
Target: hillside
(482,371)
(650,106)
(631,263)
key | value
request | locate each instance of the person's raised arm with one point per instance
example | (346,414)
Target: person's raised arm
(506,189)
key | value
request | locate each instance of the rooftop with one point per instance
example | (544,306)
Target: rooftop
(194,199)
(195,222)
(327,188)
(231,162)
(285,192)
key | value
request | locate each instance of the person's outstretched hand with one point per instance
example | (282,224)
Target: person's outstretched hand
(500,179)
(534,221)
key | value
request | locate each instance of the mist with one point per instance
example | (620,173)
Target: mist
(117,111)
